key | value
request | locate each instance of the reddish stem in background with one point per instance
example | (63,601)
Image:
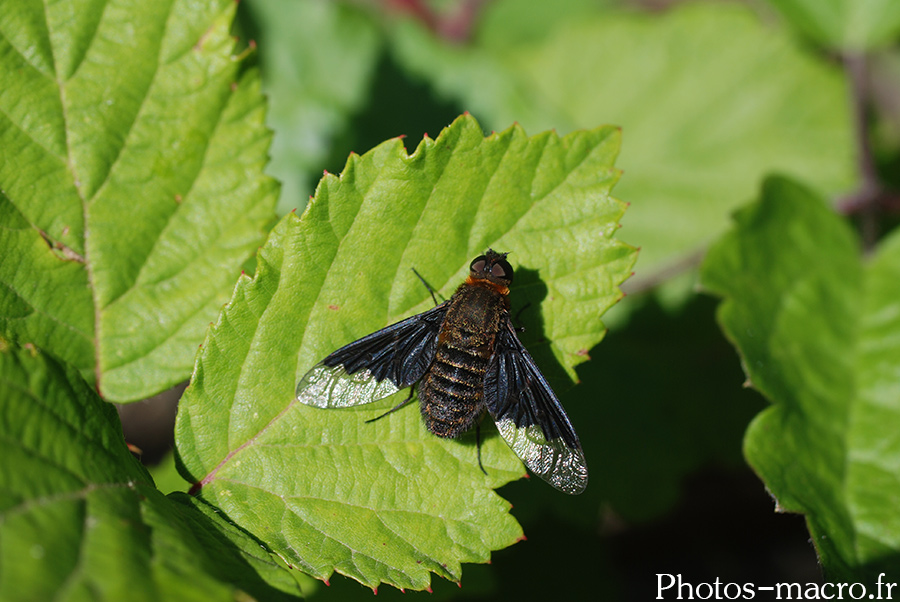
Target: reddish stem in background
(865,200)
(456,26)
(871,199)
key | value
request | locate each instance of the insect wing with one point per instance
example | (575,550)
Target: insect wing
(375,366)
(529,416)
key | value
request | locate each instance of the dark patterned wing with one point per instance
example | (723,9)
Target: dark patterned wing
(529,416)
(376,365)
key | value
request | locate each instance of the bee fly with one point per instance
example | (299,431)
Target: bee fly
(466,357)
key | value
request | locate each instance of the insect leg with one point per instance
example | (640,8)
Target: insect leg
(428,286)
(478,446)
(519,315)
(396,407)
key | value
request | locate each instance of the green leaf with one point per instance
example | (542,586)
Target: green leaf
(80,517)
(851,25)
(302,46)
(165,475)
(818,328)
(131,178)
(389,502)
(705,114)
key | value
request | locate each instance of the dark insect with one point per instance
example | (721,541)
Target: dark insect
(466,357)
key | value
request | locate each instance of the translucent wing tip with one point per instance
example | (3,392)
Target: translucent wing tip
(332,387)
(553,460)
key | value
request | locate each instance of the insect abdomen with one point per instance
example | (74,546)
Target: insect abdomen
(452,392)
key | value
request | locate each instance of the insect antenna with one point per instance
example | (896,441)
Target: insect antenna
(405,402)
(428,286)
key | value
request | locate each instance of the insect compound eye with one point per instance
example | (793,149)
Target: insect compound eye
(502,269)
(478,264)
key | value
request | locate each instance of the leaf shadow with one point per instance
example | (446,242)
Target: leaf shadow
(527,296)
